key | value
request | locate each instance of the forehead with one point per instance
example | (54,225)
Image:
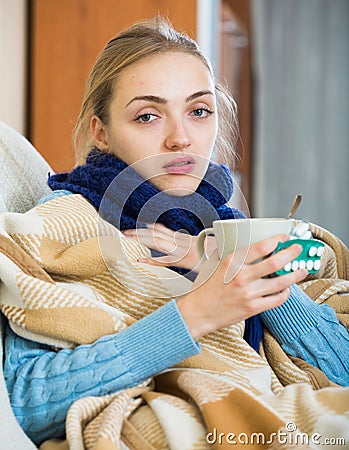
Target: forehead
(171,74)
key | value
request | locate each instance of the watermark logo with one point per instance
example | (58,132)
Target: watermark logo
(289,436)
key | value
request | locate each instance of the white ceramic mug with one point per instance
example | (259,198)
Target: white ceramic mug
(233,234)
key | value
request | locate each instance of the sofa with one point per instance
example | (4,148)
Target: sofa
(23,174)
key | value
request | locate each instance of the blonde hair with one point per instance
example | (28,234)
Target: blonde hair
(142,40)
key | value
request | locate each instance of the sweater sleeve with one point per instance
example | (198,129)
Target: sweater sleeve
(53,195)
(311,332)
(42,383)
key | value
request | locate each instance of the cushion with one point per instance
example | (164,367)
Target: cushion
(23,172)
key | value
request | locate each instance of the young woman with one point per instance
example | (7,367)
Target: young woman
(151,102)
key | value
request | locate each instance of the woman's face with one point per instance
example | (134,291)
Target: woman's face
(163,121)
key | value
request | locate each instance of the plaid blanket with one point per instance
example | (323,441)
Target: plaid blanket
(68,277)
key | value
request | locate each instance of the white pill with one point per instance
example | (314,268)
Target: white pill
(320,251)
(295,265)
(302,264)
(287,268)
(312,251)
(310,264)
(317,264)
(307,235)
(301,228)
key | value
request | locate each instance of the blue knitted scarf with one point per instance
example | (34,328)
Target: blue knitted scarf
(125,199)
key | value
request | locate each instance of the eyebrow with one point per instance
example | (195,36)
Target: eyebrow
(162,100)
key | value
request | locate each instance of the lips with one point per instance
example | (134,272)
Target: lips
(180,165)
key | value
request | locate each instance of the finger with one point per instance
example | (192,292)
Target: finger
(237,260)
(263,248)
(161,232)
(176,239)
(162,261)
(134,231)
(151,239)
(156,240)
(269,302)
(265,266)
(270,286)
(275,262)
(180,237)
(145,233)
(161,228)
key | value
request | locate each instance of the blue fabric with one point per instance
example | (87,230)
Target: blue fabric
(43,384)
(311,332)
(126,200)
(53,195)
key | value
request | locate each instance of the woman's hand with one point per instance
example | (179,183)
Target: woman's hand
(218,303)
(180,248)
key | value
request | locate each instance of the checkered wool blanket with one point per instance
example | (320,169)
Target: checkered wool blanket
(68,278)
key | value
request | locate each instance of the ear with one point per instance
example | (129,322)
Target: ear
(99,134)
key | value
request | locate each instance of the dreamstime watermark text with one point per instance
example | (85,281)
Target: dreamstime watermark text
(288,436)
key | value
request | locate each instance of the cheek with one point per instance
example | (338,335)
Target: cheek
(208,138)
(123,148)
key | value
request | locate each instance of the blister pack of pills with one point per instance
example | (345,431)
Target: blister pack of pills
(310,257)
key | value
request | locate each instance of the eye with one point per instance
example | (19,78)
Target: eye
(145,118)
(201,112)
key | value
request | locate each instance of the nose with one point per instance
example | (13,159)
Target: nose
(177,137)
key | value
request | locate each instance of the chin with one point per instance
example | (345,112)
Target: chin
(180,192)
(176,185)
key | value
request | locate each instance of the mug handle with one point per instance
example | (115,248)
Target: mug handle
(200,249)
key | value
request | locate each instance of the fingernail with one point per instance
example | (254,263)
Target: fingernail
(142,260)
(298,247)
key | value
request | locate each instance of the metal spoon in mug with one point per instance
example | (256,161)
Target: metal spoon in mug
(300,230)
(296,203)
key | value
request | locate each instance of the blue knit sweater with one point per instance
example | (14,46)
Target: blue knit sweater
(43,384)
